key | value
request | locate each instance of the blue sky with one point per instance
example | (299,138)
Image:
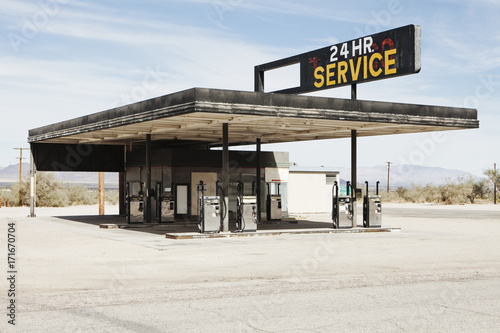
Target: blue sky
(62,59)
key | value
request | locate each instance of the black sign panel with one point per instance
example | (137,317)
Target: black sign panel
(81,157)
(379,56)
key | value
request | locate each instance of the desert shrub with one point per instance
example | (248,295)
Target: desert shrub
(401,192)
(432,193)
(112,197)
(493,176)
(463,190)
(481,188)
(7,196)
(79,195)
(51,192)
(392,196)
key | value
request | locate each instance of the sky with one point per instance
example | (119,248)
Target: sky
(61,59)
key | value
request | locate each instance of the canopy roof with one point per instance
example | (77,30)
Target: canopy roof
(197,115)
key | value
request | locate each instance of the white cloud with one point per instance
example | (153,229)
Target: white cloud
(91,55)
(13,8)
(296,8)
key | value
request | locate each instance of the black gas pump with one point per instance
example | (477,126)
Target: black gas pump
(372,209)
(335,204)
(342,207)
(157,201)
(239,208)
(127,201)
(224,207)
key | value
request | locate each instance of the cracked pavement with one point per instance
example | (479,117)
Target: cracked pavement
(441,273)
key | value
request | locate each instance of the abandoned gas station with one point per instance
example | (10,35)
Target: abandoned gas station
(172,152)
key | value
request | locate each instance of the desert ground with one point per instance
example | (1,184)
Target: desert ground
(439,273)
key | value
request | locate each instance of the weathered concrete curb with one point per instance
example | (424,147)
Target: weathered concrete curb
(194,235)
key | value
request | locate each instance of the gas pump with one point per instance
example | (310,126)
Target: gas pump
(342,207)
(164,204)
(372,209)
(209,211)
(246,214)
(273,204)
(135,202)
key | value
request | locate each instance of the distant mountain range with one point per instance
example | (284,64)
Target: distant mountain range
(10,175)
(400,175)
(404,175)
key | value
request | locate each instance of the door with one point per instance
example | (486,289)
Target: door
(181,201)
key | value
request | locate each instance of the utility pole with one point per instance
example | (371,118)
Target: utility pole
(495,187)
(20,169)
(388,174)
(101,193)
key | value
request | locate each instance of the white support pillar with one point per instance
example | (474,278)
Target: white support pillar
(225,175)
(32,184)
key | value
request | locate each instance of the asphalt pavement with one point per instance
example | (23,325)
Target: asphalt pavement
(440,273)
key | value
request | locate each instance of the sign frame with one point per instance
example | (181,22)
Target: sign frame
(387,54)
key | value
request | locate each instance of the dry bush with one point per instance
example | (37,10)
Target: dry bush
(79,195)
(461,191)
(51,192)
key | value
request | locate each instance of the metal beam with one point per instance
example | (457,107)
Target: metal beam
(225,175)
(148,178)
(258,80)
(354,163)
(354,174)
(257,180)
(32,184)
(121,194)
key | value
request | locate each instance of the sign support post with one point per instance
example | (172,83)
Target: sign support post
(354,164)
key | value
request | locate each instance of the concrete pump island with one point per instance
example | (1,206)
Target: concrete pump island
(172,151)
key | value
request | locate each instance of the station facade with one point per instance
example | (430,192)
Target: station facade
(173,150)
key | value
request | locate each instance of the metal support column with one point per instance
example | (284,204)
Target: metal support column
(121,194)
(258,81)
(225,175)
(354,175)
(122,179)
(354,163)
(257,176)
(32,184)
(148,178)
(354,92)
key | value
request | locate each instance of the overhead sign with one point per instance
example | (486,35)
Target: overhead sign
(387,54)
